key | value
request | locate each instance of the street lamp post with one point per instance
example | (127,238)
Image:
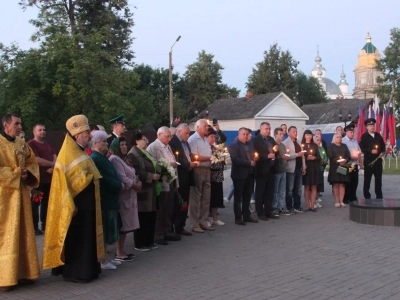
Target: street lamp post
(346,119)
(171,89)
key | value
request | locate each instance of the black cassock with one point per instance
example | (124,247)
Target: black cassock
(80,250)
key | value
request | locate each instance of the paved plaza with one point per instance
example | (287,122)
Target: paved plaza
(319,255)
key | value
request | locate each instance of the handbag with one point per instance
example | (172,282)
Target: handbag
(341,170)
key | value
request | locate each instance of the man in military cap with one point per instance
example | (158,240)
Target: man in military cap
(73,241)
(373,146)
(355,154)
(118,128)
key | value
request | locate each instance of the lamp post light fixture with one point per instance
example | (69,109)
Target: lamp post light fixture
(349,116)
(171,90)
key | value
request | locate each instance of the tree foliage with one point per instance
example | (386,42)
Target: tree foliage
(84,65)
(81,65)
(389,65)
(309,90)
(202,83)
(276,73)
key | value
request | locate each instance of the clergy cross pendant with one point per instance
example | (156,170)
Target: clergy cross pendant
(21,157)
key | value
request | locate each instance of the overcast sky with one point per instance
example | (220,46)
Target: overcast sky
(238,32)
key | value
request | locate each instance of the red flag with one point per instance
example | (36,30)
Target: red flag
(392,129)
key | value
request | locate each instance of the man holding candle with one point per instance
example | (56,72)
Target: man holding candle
(373,147)
(199,205)
(293,172)
(265,173)
(243,159)
(181,148)
(282,156)
(350,193)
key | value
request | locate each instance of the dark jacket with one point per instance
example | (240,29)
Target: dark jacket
(185,174)
(369,143)
(144,168)
(110,186)
(221,137)
(241,161)
(263,147)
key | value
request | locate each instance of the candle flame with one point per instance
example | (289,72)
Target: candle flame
(255,154)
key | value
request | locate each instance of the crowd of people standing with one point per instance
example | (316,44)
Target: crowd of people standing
(97,190)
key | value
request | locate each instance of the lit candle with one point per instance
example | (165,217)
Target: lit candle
(196,157)
(302,146)
(376,147)
(255,154)
(311,151)
(177,153)
(340,157)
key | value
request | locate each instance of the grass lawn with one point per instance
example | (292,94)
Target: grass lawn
(392,170)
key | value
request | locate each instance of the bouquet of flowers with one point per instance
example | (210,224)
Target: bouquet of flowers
(36,196)
(220,154)
(350,167)
(184,205)
(167,171)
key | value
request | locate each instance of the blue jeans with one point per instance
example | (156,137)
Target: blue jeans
(293,189)
(230,194)
(279,201)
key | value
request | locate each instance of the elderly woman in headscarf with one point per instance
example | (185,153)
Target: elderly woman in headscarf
(110,186)
(149,173)
(128,211)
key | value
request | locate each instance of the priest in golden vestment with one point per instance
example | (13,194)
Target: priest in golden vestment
(73,241)
(18,172)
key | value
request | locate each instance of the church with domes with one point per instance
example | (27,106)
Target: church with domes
(365,72)
(365,75)
(333,91)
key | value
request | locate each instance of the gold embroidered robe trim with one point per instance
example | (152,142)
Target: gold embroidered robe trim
(18,252)
(73,172)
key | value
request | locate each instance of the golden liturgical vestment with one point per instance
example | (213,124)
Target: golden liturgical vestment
(73,172)
(18,252)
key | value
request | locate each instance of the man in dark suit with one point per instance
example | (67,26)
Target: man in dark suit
(373,146)
(242,174)
(118,128)
(265,174)
(181,150)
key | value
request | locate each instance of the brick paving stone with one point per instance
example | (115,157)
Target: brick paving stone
(319,255)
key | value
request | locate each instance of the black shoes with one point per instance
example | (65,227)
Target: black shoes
(172,237)
(239,222)
(250,220)
(161,242)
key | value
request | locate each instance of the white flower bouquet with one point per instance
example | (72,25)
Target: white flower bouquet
(220,154)
(167,171)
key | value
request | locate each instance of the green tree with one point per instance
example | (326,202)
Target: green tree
(81,66)
(154,83)
(202,84)
(111,19)
(276,73)
(309,90)
(389,65)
